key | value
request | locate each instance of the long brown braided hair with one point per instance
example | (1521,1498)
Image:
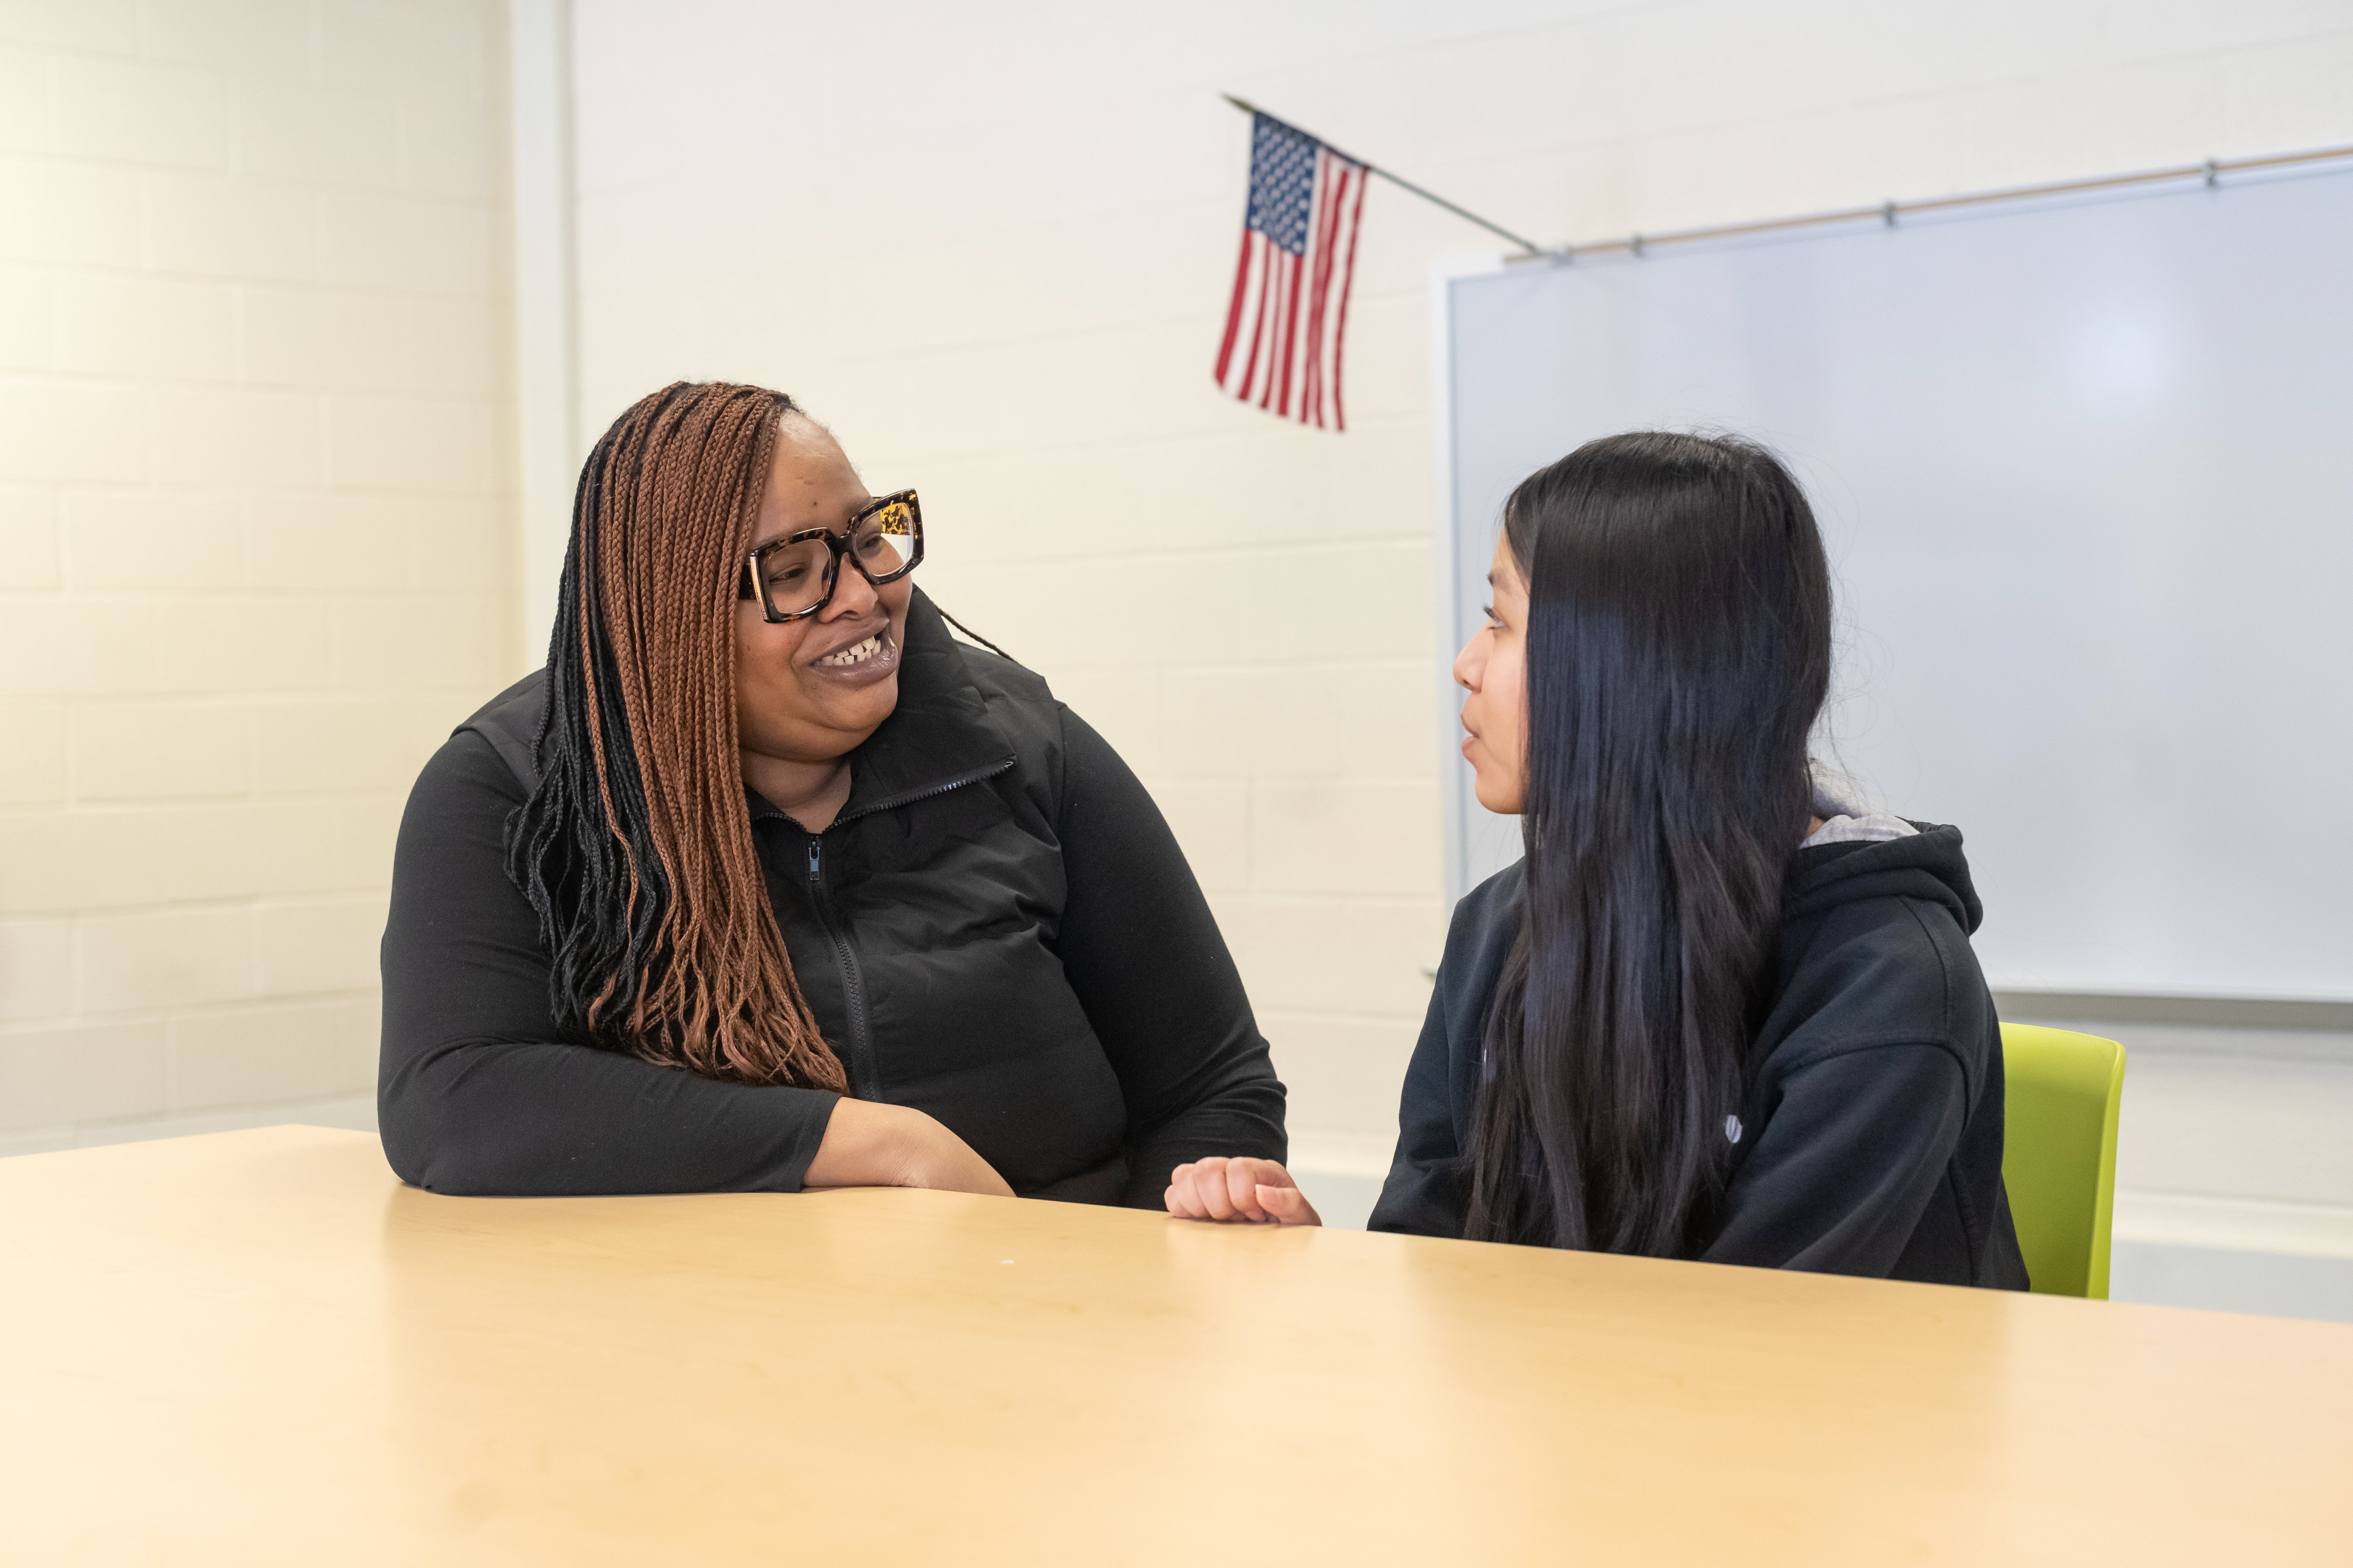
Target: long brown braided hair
(636,848)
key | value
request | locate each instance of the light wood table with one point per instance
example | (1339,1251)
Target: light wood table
(259,1347)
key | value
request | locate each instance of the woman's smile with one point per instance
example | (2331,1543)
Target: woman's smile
(856,653)
(871,658)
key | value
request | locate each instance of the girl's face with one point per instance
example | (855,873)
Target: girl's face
(1492,667)
(811,690)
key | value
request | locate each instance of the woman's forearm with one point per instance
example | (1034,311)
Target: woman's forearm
(868,1144)
(1143,956)
(544,1119)
(1242,1116)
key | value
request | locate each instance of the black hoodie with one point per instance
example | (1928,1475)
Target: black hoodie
(1871,1133)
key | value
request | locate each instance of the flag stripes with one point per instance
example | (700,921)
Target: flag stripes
(1289,316)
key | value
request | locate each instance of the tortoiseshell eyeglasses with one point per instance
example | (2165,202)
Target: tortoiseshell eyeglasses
(795,576)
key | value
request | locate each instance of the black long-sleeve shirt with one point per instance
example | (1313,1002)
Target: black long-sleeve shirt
(999,930)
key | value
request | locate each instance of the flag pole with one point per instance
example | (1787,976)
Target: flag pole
(1530,245)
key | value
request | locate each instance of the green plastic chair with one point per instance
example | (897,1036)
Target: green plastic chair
(2059,1154)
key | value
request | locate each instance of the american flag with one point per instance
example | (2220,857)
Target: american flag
(1289,312)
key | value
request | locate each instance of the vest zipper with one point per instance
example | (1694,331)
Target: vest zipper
(865,1081)
(897,801)
(865,1075)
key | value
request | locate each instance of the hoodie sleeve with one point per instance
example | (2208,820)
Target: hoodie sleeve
(1423,1195)
(1429,1190)
(1846,1163)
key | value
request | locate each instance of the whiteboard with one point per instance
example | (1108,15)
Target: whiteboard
(2085,474)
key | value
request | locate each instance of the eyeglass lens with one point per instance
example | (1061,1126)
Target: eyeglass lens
(885,538)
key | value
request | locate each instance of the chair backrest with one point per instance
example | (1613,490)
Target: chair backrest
(2058,1153)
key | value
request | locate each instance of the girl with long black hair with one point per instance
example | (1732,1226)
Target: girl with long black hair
(1711,1013)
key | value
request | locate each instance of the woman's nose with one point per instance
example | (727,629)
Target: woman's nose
(1466,669)
(852,594)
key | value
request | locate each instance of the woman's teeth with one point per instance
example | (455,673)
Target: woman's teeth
(857,653)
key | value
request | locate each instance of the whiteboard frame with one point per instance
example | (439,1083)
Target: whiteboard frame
(1457,803)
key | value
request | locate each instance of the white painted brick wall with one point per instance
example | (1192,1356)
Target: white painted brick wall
(257,544)
(256,530)
(992,247)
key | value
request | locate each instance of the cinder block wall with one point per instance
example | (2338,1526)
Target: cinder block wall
(256,529)
(256,537)
(993,245)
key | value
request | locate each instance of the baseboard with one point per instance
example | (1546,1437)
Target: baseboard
(2232,1279)
(2236,1225)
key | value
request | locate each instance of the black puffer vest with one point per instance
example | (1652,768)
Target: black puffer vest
(922,923)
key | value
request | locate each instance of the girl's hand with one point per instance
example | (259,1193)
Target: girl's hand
(1259,1192)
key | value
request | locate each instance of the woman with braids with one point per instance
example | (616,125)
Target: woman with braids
(767,883)
(1711,1013)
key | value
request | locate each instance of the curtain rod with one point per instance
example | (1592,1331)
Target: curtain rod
(1888,212)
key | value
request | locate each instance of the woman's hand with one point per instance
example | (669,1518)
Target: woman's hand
(869,1144)
(1258,1190)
